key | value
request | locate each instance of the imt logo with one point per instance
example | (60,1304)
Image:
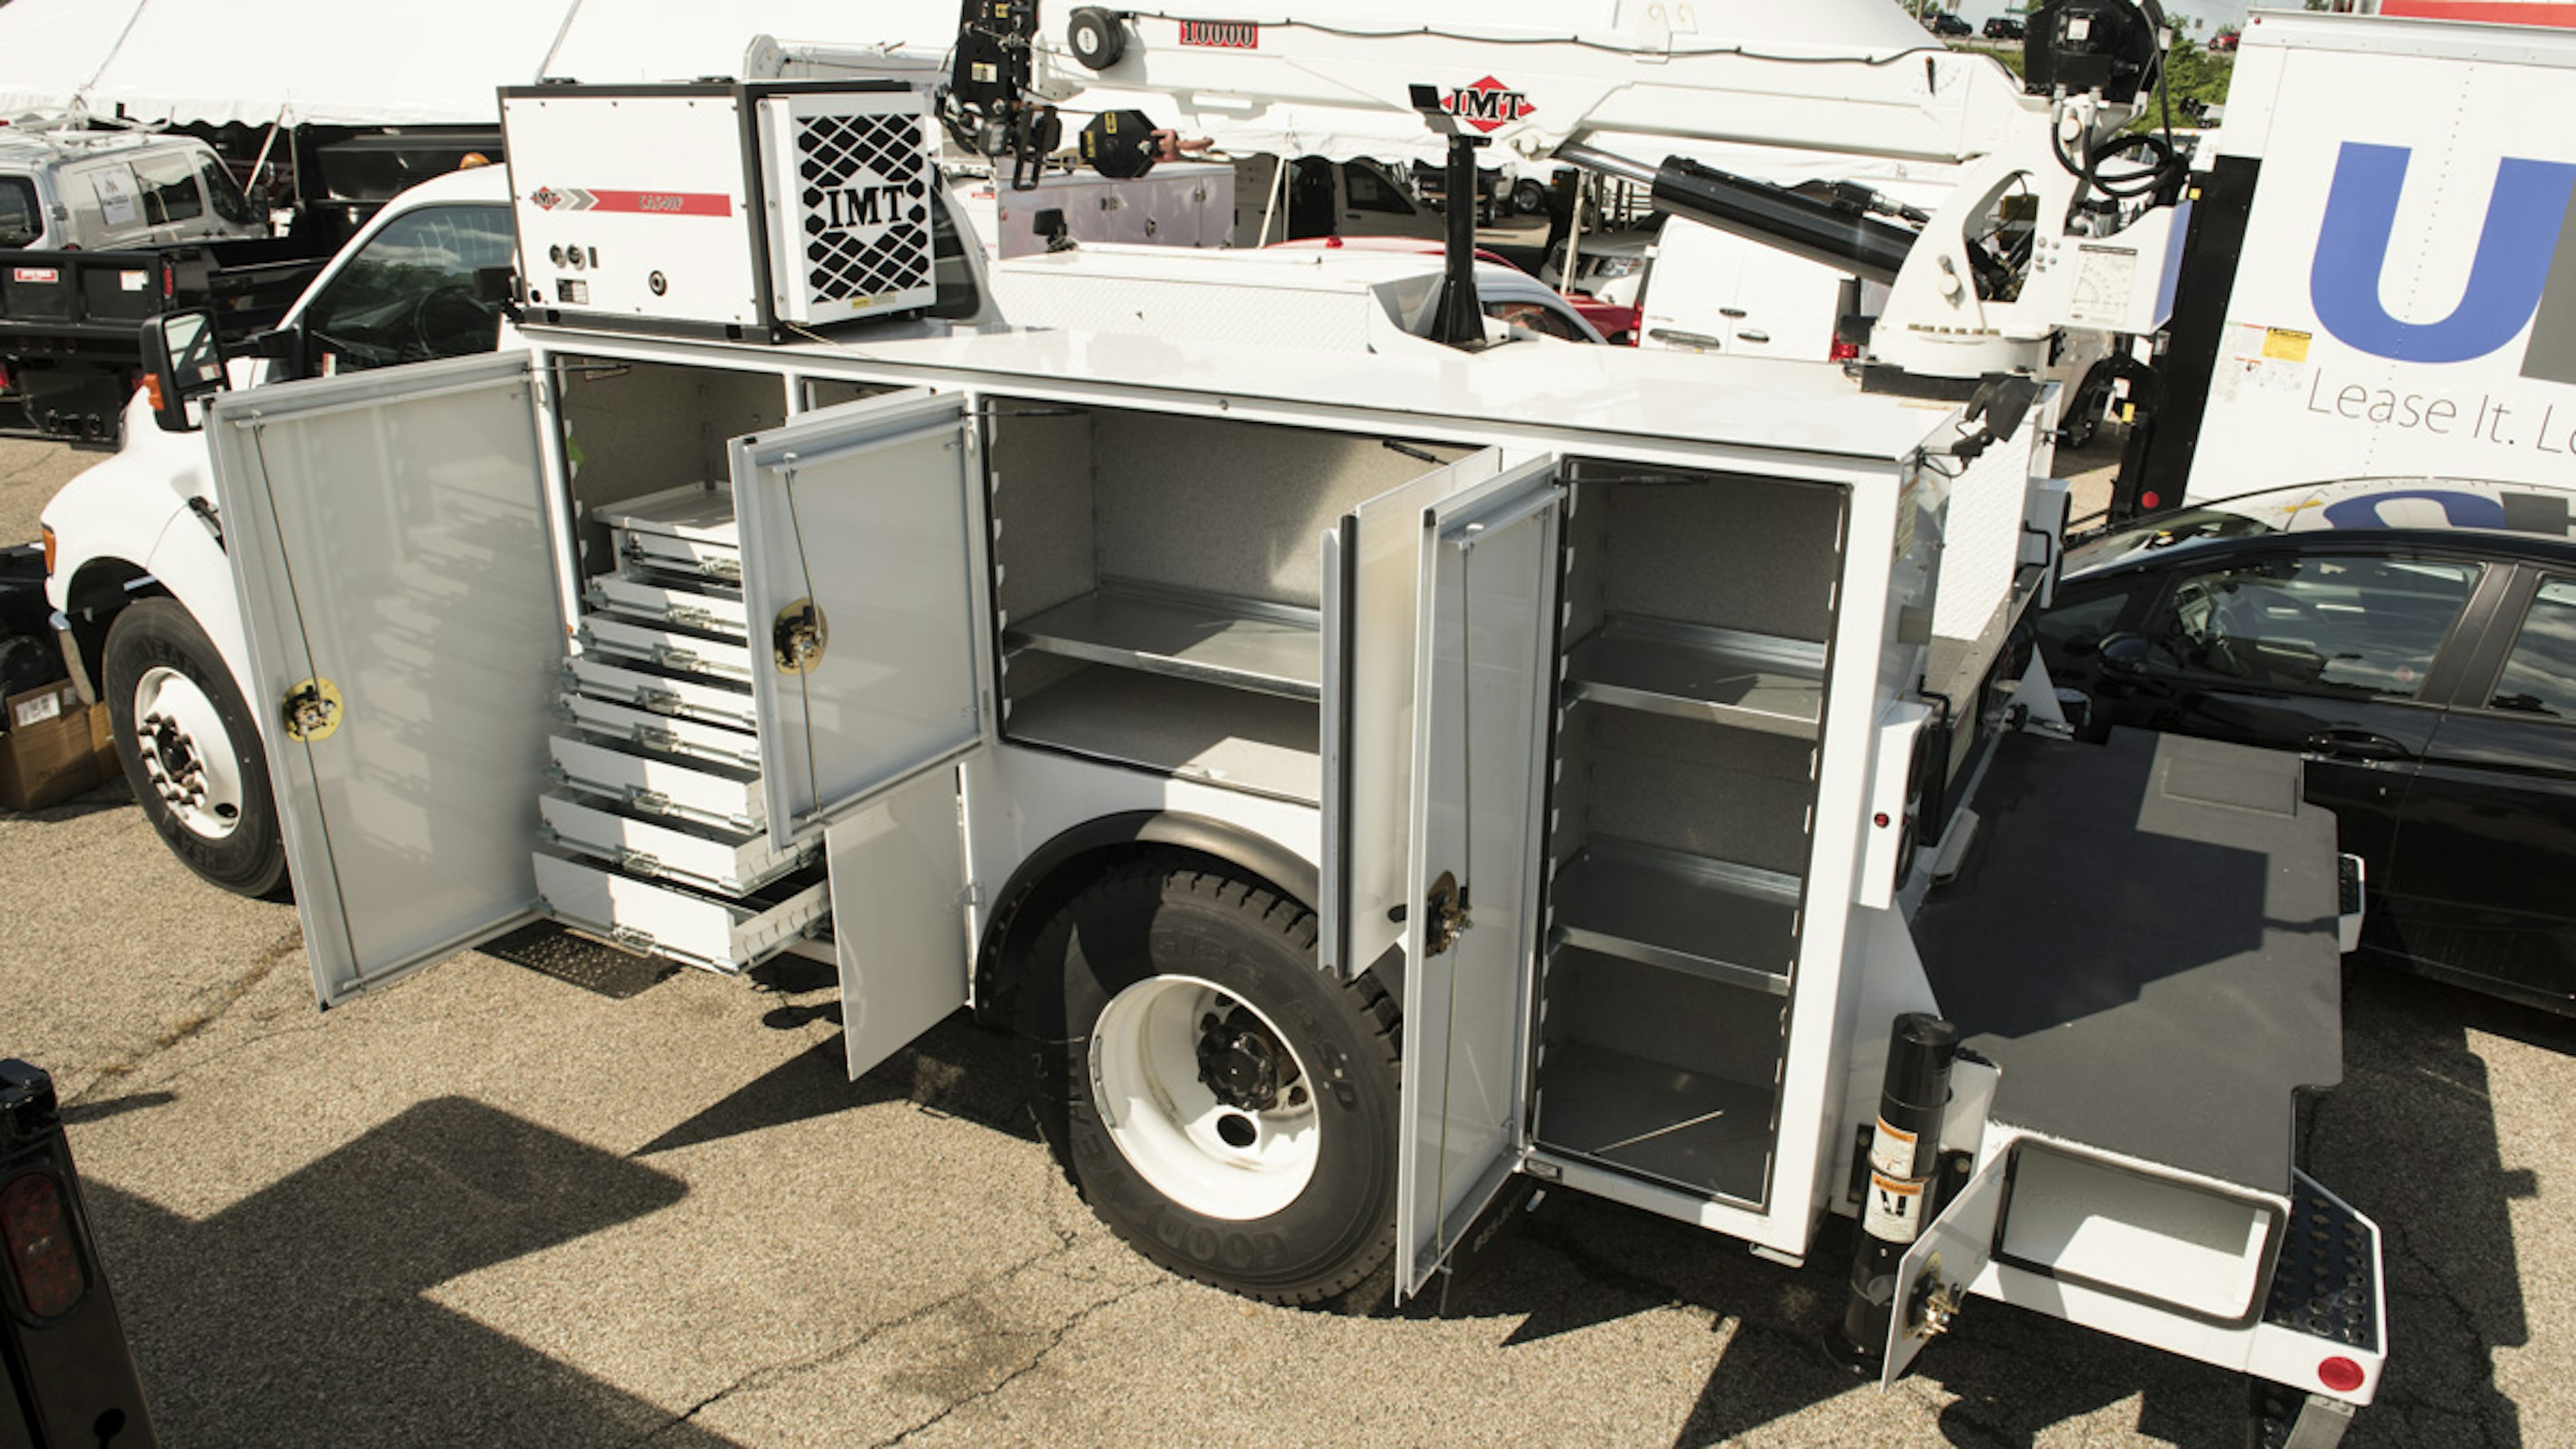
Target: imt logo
(1488,105)
(2523,272)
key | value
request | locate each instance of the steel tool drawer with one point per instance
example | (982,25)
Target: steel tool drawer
(661,733)
(711,857)
(654,602)
(687,530)
(684,650)
(662,784)
(671,920)
(652,688)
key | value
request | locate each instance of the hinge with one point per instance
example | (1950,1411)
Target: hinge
(972,896)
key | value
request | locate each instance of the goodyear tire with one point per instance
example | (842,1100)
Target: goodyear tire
(191,749)
(1223,1105)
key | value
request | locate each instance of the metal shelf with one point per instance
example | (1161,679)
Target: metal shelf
(1210,638)
(1727,923)
(1750,681)
(1689,1128)
(1238,738)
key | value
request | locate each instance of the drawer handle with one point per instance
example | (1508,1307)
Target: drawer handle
(654,737)
(639,942)
(638,861)
(660,701)
(649,800)
(673,657)
(721,568)
(690,617)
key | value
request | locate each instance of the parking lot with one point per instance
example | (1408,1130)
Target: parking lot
(543,1195)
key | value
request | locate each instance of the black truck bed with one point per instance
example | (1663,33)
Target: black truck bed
(2143,937)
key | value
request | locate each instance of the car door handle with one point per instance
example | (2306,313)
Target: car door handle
(2357,745)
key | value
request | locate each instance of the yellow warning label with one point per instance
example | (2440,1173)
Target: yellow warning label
(2285,344)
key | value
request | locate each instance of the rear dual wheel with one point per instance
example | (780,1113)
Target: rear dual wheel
(1224,1106)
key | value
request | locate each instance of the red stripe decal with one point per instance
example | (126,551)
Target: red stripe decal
(667,203)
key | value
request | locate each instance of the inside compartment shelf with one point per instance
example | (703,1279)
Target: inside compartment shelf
(1724,922)
(1691,1128)
(1692,671)
(1186,634)
(1233,737)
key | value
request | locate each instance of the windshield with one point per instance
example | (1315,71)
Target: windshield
(2189,525)
(20,221)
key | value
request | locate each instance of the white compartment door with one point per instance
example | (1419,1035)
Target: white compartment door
(1372,588)
(1484,678)
(391,556)
(898,865)
(1932,1280)
(864,579)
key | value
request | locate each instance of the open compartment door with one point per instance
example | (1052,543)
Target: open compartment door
(1484,677)
(1932,1280)
(1372,593)
(864,581)
(396,578)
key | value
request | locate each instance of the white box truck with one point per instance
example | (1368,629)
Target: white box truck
(2380,279)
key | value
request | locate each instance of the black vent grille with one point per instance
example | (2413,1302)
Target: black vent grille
(865,240)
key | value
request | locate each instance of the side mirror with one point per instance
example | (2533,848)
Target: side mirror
(183,359)
(2124,654)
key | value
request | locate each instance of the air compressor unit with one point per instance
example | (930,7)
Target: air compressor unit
(720,208)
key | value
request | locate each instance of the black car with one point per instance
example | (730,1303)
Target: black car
(2416,641)
(1942,22)
(2003,27)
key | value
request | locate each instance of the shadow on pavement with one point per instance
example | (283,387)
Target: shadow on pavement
(955,1069)
(299,1315)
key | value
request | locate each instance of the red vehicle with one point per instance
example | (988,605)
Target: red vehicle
(2224,42)
(1616,324)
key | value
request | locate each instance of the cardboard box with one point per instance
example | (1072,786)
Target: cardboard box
(49,747)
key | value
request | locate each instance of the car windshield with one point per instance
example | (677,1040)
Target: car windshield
(19,219)
(2187,526)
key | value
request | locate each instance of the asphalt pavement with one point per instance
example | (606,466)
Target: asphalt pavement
(543,1196)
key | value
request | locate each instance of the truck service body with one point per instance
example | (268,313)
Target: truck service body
(1213,713)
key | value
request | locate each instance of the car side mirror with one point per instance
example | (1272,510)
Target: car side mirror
(183,360)
(2124,654)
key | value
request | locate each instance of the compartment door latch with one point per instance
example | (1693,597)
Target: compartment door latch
(1444,914)
(799,636)
(312,711)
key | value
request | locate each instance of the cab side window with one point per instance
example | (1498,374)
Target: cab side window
(20,221)
(1367,189)
(2540,675)
(2333,624)
(409,294)
(229,203)
(169,188)
(1537,317)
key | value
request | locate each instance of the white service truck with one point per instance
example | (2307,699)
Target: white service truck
(1376,786)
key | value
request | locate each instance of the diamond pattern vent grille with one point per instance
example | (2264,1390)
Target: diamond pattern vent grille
(854,155)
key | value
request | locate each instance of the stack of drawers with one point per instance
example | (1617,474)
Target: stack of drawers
(655,832)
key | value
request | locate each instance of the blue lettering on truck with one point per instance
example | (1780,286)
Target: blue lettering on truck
(2515,273)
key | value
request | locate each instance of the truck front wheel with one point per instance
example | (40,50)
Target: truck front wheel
(190,748)
(1222,1104)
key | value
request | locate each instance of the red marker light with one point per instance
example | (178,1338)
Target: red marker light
(2151,499)
(36,1233)
(1879,820)
(2340,1374)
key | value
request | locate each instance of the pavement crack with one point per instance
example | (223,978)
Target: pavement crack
(769,1374)
(196,1024)
(1054,1340)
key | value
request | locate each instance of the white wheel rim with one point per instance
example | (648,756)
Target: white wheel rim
(187,755)
(1220,1159)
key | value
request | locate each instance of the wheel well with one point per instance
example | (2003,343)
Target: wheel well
(1060,870)
(100,590)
